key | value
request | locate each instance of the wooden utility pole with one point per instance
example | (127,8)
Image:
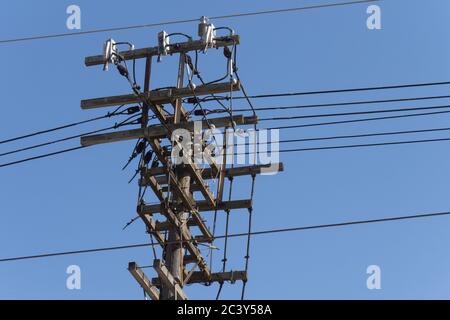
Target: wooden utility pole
(174,185)
(174,251)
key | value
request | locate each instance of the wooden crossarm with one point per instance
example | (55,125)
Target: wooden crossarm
(198,277)
(174,48)
(160,131)
(203,206)
(159,97)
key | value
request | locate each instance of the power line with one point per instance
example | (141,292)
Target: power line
(358,120)
(263,119)
(116,112)
(292,9)
(41,156)
(173,22)
(215,111)
(291,127)
(51,130)
(306,93)
(363,135)
(343,224)
(53,142)
(117,125)
(291,140)
(332,104)
(65,253)
(351,113)
(235,235)
(355,146)
(258,109)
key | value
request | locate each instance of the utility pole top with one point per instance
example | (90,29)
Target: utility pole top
(182,190)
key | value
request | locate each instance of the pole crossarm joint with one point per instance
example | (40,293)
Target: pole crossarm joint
(169,281)
(142,279)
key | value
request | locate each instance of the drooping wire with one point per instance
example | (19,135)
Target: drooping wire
(225,246)
(179,34)
(198,75)
(252,193)
(250,220)
(205,118)
(223,168)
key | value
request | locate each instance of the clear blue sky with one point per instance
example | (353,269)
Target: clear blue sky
(82,199)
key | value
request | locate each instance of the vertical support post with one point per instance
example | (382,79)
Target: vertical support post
(178,103)
(175,251)
(148,70)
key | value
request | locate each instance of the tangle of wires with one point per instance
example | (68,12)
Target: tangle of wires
(193,71)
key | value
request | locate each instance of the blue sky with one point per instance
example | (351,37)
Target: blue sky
(82,199)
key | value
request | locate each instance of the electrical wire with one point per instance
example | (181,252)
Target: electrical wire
(237,235)
(196,72)
(181,21)
(244,109)
(123,123)
(322,105)
(249,235)
(54,141)
(65,126)
(366,145)
(358,120)
(351,113)
(252,192)
(41,156)
(352,146)
(250,153)
(346,90)
(363,135)
(227,224)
